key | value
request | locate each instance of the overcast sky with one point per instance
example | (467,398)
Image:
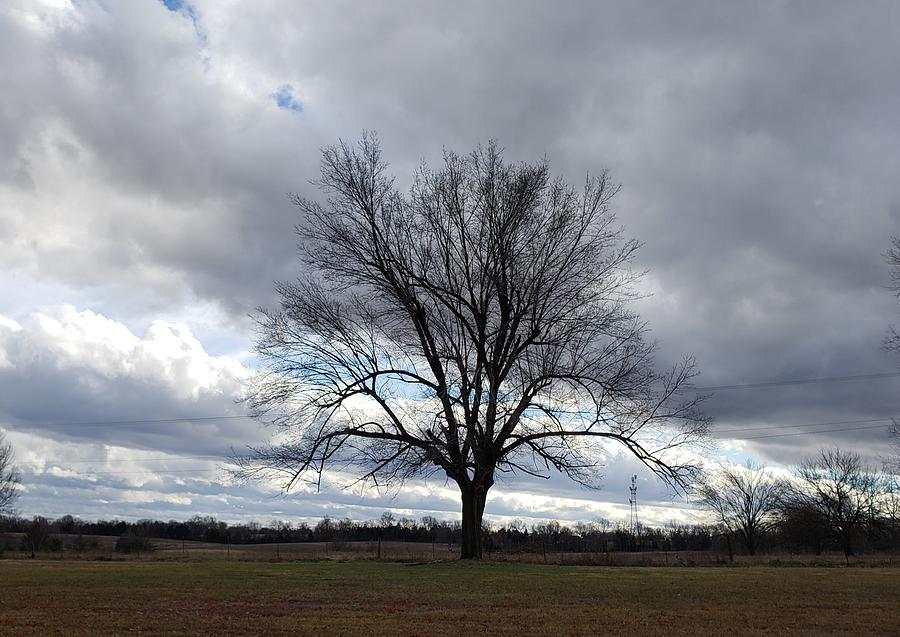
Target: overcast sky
(146,149)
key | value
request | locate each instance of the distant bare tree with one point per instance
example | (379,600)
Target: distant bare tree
(9,477)
(892,256)
(476,326)
(890,503)
(844,492)
(802,525)
(892,342)
(387,519)
(892,462)
(743,499)
(37,535)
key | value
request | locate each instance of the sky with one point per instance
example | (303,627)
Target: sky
(147,148)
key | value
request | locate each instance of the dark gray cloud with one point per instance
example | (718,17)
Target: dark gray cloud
(145,155)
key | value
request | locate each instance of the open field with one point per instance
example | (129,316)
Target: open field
(102,547)
(58,597)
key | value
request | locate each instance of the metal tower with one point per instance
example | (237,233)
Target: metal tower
(635,524)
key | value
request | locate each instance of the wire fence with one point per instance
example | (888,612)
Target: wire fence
(104,548)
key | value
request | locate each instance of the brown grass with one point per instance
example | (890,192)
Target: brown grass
(372,598)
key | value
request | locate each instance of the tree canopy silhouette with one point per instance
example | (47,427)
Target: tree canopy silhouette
(892,342)
(744,501)
(892,256)
(9,477)
(478,325)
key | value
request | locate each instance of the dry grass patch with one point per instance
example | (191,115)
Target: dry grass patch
(370,598)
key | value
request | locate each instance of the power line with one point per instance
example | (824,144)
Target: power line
(797,381)
(110,460)
(88,472)
(807,433)
(724,431)
(152,421)
(808,424)
(714,432)
(708,388)
(220,457)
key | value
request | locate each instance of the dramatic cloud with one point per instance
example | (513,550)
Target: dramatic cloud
(146,149)
(81,367)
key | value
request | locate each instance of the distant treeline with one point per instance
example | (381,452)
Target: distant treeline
(797,531)
(516,536)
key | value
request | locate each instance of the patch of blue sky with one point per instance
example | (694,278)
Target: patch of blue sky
(189,11)
(284,98)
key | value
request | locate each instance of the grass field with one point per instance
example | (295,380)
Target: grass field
(61,597)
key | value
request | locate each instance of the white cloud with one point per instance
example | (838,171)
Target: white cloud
(6,325)
(150,497)
(66,367)
(167,354)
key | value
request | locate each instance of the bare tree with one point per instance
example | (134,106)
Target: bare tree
(844,492)
(890,504)
(892,342)
(37,535)
(9,477)
(892,256)
(476,326)
(802,525)
(743,499)
(892,461)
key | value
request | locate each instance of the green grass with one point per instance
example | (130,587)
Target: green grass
(371,598)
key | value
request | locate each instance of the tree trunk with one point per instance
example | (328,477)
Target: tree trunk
(474,497)
(751,543)
(848,548)
(847,541)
